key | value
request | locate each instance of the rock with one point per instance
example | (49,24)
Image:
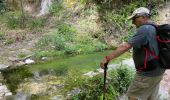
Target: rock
(112,66)
(90,74)
(8,94)
(2,66)
(43,58)
(13,59)
(22,96)
(4,91)
(129,62)
(57,97)
(74,92)
(163,94)
(29,61)
(19,63)
(100,70)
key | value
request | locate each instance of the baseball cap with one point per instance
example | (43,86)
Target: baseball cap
(139,11)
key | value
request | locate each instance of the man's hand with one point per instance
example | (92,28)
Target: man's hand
(120,50)
(105,60)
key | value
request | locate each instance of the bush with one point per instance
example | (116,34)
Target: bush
(35,23)
(66,40)
(121,78)
(2,35)
(15,76)
(56,7)
(92,88)
(13,19)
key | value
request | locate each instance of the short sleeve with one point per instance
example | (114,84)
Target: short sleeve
(140,38)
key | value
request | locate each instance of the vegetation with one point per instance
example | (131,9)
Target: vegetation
(65,40)
(92,88)
(13,77)
(2,6)
(74,27)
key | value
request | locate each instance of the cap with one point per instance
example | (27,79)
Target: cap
(140,11)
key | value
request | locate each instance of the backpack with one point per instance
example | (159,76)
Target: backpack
(163,38)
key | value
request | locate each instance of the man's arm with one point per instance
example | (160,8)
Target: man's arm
(120,50)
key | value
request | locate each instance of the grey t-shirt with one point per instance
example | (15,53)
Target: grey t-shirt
(145,35)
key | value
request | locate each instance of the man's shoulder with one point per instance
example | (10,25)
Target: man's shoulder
(146,27)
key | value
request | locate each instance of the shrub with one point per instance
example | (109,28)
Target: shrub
(15,76)
(121,78)
(2,35)
(92,88)
(13,19)
(56,7)
(36,23)
(66,40)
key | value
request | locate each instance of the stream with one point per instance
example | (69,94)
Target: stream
(42,80)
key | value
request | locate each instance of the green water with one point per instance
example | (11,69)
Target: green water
(59,66)
(82,63)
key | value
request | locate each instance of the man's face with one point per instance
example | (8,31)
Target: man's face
(138,20)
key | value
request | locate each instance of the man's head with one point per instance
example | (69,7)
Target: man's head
(140,16)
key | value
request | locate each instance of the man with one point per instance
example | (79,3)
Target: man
(148,75)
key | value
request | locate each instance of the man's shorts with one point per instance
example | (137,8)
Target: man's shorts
(144,87)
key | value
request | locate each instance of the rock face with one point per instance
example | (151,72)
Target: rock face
(33,7)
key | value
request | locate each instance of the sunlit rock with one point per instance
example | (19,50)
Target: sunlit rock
(29,61)
(90,74)
(2,66)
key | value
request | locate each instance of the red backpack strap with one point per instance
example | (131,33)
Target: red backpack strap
(163,41)
(146,56)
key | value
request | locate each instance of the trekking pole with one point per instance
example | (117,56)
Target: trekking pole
(105,74)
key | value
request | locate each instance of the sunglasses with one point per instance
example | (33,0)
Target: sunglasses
(135,17)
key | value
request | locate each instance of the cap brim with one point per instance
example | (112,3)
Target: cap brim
(130,17)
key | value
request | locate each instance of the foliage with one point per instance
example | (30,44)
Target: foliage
(121,78)
(73,79)
(35,23)
(114,17)
(2,6)
(8,40)
(56,7)
(13,77)
(66,40)
(92,88)
(21,55)
(14,19)
(2,35)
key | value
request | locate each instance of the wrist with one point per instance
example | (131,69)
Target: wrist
(107,58)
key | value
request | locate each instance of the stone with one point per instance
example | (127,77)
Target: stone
(129,62)
(22,96)
(74,91)
(44,58)
(90,74)
(8,94)
(58,97)
(19,63)
(29,61)
(2,66)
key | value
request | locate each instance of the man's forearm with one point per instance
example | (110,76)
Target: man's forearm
(120,50)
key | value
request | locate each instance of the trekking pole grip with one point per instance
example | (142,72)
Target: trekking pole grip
(105,66)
